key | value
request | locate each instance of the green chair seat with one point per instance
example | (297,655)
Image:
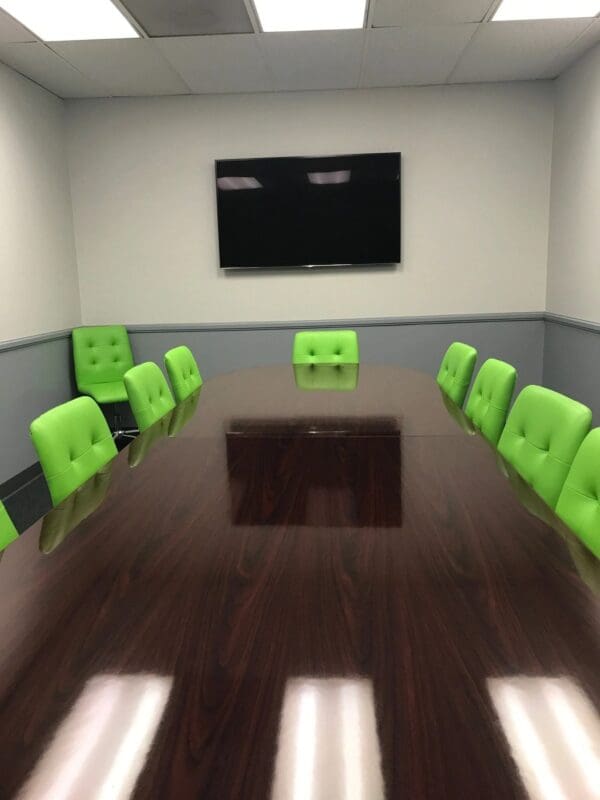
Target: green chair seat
(102,355)
(326,347)
(8,532)
(490,398)
(326,377)
(113,392)
(149,395)
(542,435)
(183,372)
(579,502)
(456,371)
(73,442)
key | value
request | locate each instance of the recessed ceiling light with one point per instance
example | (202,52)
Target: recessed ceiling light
(546,9)
(65,20)
(310,15)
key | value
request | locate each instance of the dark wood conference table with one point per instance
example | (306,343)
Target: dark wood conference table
(304,594)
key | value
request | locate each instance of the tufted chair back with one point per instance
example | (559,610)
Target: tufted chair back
(326,347)
(149,395)
(73,442)
(490,398)
(183,372)
(579,502)
(456,371)
(102,354)
(8,532)
(543,433)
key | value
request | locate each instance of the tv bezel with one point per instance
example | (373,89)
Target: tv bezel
(286,268)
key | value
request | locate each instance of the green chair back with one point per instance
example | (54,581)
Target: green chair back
(8,532)
(490,398)
(73,442)
(326,377)
(183,372)
(77,507)
(542,435)
(149,395)
(579,502)
(456,371)
(326,347)
(102,355)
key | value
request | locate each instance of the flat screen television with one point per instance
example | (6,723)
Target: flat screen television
(309,211)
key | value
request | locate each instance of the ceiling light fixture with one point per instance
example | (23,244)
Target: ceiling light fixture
(545,9)
(69,20)
(310,15)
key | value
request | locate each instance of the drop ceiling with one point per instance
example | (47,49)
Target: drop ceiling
(215,46)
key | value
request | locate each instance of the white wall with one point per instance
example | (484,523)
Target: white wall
(476,183)
(39,290)
(574,251)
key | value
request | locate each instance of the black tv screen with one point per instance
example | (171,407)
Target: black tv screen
(305,211)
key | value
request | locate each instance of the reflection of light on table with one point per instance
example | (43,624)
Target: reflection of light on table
(328,746)
(100,749)
(554,733)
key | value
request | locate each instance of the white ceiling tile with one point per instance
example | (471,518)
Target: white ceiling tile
(414,56)
(508,51)
(413,13)
(13,31)
(588,39)
(218,64)
(124,66)
(314,60)
(45,67)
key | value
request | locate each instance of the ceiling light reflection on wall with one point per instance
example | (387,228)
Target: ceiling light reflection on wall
(340,176)
(310,15)
(68,20)
(545,9)
(238,183)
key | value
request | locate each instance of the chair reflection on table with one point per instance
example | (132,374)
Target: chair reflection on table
(63,519)
(168,426)
(458,415)
(326,377)
(344,472)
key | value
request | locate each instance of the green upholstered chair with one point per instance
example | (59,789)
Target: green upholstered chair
(543,433)
(579,502)
(326,377)
(143,444)
(490,398)
(8,532)
(183,372)
(73,441)
(102,355)
(456,371)
(326,347)
(77,507)
(149,395)
(183,413)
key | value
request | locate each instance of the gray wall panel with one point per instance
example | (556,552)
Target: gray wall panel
(33,378)
(572,363)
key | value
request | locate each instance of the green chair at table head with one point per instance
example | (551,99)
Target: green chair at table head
(149,395)
(579,502)
(456,371)
(490,398)
(8,532)
(183,372)
(73,441)
(102,356)
(543,433)
(326,347)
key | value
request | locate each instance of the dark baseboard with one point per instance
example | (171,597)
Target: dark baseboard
(18,482)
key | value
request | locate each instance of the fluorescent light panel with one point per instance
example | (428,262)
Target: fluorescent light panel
(546,9)
(310,15)
(68,20)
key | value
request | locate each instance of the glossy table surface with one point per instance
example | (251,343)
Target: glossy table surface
(296,593)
